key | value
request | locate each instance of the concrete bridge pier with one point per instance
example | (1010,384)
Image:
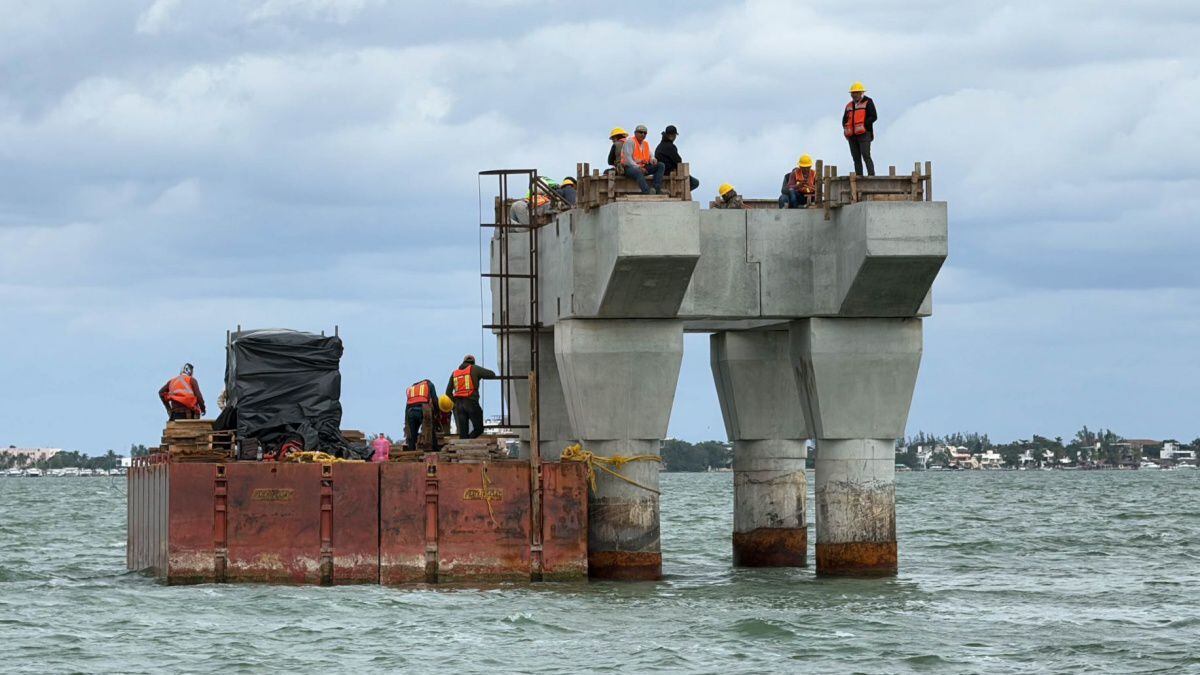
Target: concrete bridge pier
(554,431)
(618,380)
(856,380)
(761,409)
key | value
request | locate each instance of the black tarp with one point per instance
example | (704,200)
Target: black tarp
(285,384)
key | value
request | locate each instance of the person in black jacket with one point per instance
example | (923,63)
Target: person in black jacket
(668,154)
(858,125)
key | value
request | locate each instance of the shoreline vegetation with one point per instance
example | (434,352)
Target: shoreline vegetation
(1100,449)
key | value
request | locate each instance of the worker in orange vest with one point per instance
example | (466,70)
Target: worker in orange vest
(858,125)
(800,184)
(181,396)
(464,388)
(420,397)
(639,161)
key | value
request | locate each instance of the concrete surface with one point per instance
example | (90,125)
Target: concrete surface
(619,285)
(761,409)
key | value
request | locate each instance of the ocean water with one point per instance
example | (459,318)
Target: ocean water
(1000,572)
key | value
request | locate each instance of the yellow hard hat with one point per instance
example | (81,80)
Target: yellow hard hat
(445,404)
(857,86)
(725,187)
(805,162)
(568,181)
(617,131)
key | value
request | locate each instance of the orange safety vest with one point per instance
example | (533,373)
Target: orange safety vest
(540,200)
(641,150)
(806,180)
(418,393)
(464,384)
(180,390)
(856,120)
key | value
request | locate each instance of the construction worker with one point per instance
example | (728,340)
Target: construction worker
(381,448)
(421,396)
(617,136)
(181,396)
(519,210)
(858,124)
(668,155)
(728,198)
(441,421)
(567,190)
(801,183)
(464,388)
(640,162)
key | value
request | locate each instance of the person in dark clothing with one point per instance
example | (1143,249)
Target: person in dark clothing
(464,388)
(421,396)
(668,154)
(617,136)
(181,396)
(566,190)
(858,125)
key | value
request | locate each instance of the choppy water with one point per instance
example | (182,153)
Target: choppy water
(1000,572)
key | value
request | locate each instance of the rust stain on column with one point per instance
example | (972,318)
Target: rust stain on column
(857,559)
(625,565)
(771,547)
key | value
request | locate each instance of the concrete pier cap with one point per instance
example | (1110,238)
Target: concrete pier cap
(816,335)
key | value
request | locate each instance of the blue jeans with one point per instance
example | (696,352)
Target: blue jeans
(796,199)
(635,172)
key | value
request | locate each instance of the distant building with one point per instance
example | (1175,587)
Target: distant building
(31,455)
(990,460)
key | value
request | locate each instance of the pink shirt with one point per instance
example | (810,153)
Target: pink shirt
(382,447)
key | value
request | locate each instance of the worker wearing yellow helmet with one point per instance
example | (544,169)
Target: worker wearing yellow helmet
(727,198)
(858,125)
(799,184)
(567,191)
(617,136)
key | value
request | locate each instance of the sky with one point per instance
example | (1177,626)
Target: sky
(171,169)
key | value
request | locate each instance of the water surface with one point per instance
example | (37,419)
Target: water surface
(1000,572)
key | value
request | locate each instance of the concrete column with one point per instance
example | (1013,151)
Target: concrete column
(555,431)
(856,379)
(618,379)
(761,409)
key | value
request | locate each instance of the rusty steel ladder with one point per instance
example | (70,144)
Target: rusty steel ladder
(506,328)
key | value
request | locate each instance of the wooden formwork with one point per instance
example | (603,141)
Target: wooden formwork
(842,190)
(594,188)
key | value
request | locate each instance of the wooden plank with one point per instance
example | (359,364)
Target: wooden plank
(928,181)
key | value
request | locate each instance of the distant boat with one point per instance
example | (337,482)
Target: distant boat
(1148,465)
(33,473)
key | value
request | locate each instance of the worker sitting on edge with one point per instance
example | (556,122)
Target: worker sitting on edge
(464,387)
(567,190)
(640,162)
(728,198)
(668,155)
(858,124)
(420,399)
(181,396)
(801,185)
(617,136)
(441,420)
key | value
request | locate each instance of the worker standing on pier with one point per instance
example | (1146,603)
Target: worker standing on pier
(181,396)
(858,124)
(639,162)
(464,387)
(421,396)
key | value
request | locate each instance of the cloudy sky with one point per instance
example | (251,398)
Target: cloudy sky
(170,169)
